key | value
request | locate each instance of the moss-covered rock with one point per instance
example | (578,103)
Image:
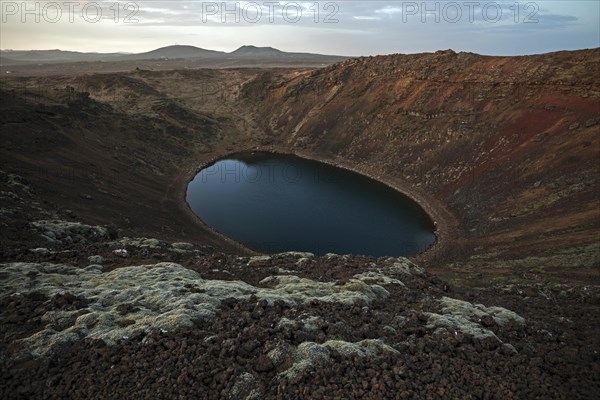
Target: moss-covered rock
(66,233)
(463,308)
(309,355)
(163,296)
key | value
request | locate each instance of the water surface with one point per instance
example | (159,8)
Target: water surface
(275,203)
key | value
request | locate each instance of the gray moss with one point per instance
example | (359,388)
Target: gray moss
(371,277)
(309,355)
(364,348)
(309,323)
(182,246)
(463,308)
(281,354)
(296,254)
(457,323)
(64,232)
(40,251)
(96,260)
(160,296)
(246,387)
(142,243)
(464,317)
(405,266)
(292,289)
(257,261)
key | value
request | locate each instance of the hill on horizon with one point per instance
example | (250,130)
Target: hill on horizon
(17,57)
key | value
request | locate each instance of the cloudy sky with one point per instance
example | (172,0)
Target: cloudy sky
(331,27)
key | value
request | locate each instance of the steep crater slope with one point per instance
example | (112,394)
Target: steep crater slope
(111,149)
(504,149)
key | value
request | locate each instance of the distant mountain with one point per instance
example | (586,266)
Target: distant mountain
(52,56)
(244,53)
(177,51)
(253,51)
(270,52)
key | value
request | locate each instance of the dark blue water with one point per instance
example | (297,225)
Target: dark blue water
(275,203)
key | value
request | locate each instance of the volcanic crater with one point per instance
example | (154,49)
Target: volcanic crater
(110,287)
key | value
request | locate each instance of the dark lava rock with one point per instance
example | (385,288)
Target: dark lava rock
(263,364)
(487,321)
(126,308)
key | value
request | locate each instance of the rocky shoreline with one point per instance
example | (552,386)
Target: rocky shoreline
(445,225)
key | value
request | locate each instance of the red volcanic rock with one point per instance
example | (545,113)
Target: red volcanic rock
(502,151)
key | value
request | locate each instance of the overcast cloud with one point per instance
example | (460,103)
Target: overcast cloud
(332,27)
